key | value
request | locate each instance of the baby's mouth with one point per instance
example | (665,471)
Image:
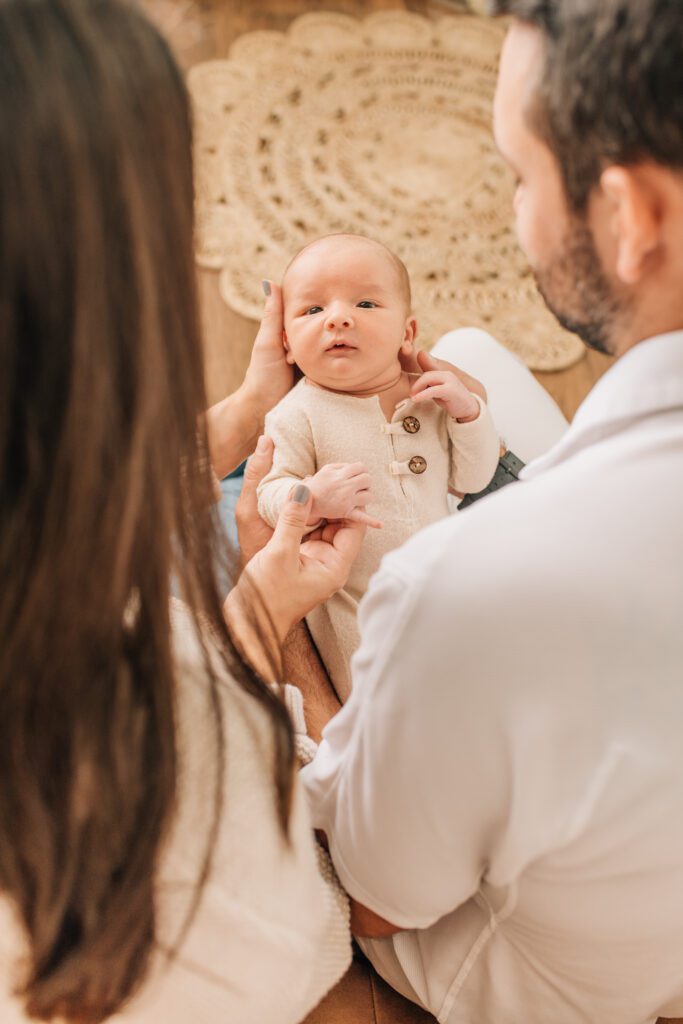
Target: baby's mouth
(339,345)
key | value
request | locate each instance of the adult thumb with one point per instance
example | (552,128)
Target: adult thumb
(272,309)
(427,361)
(291,524)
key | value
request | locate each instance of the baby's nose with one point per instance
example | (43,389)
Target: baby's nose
(337,318)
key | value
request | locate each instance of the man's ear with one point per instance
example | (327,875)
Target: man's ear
(635,218)
(409,336)
(289,358)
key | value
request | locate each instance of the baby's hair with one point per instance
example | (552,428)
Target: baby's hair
(398,264)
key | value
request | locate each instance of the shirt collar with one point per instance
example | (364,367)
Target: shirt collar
(646,380)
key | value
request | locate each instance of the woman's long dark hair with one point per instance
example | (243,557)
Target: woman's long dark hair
(105,492)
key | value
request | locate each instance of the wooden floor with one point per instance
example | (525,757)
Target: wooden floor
(202,30)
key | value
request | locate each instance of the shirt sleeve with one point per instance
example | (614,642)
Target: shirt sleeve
(272,906)
(293,460)
(409,782)
(287,922)
(475,449)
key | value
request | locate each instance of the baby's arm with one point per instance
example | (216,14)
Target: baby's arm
(475,445)
(340,490)
(293,459)
(475,450)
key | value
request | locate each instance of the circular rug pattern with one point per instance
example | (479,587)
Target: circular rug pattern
(381,127)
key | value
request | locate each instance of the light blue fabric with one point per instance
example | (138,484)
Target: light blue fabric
(231,488)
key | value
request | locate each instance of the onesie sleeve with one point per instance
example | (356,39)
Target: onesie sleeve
(474,451)
(294,457)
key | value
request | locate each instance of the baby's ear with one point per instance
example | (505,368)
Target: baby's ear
(289,358)
(409,335)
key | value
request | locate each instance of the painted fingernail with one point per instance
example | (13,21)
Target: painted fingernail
(301,494)
(266,288)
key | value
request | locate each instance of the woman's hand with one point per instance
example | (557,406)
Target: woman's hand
(290,577)
(269,376)
(234,424)
(423,362)
(252,531)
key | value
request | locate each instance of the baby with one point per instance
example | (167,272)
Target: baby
(357,420)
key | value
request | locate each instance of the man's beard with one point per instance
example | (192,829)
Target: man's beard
(577,292)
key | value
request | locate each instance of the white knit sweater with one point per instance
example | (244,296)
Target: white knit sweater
(312,427)
(271,934)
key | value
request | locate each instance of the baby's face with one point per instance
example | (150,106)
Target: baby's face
(345,315)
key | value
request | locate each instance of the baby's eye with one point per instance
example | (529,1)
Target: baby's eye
(367,304)
(313,309)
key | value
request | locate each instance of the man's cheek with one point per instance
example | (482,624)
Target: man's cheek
(533,231)
(524,230)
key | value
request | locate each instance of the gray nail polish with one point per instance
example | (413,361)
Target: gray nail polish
(266,287)
(301,494)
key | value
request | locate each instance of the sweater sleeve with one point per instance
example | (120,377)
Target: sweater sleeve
(270,935)
(294,457)
(475,449)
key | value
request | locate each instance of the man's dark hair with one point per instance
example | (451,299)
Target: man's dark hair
(611,85)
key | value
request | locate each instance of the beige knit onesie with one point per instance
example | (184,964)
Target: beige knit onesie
(412,461)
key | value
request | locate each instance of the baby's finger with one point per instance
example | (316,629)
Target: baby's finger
(361,482)
(439,391)
(362,497)
(426,361)
(427,379)
(357,515)
(353,469)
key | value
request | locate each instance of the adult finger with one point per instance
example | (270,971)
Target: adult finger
(252,532)
(269,376)
(409,363)
(270,330)
(331,528)
(258,465)
(426,361)
(336,551)
(291,524)
(348,539)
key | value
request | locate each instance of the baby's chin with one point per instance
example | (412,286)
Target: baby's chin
(345,377)
(336,381)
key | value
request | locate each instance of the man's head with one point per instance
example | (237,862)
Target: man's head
(589,114)
(347,312)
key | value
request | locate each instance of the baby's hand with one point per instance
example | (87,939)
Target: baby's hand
(341,490)
(448,391)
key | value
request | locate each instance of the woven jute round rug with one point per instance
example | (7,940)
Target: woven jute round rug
(382,127)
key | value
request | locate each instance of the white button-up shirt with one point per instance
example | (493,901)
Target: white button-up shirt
(506,780)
